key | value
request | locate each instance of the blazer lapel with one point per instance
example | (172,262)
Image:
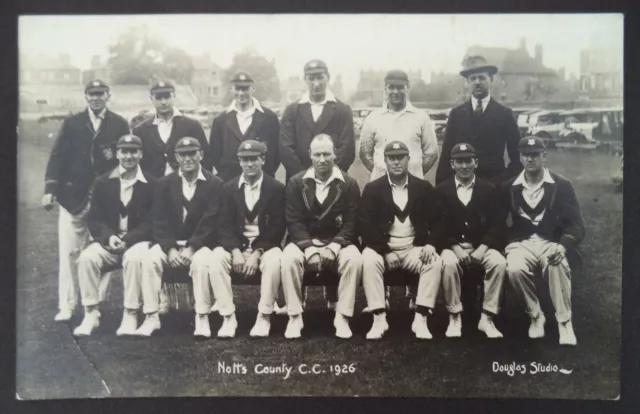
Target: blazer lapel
(305,111)
(328,112)
(175,187)
(88,124)
(232,123)
(254,128)
(155,135)
(308,192)
(335,191)
(238,196)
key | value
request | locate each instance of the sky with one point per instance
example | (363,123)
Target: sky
(346,42)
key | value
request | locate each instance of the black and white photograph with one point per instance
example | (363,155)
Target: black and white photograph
(371,205)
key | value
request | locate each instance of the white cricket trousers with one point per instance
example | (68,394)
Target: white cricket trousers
(349,269)
(528,256)
(495,267)
(73,237)
(95,258)
(373,276)
(219,278)
(152,268)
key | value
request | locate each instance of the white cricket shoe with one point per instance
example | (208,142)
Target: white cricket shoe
(454,330)
(379,327)
(229,326)
(420,328)
(149,326)
(63,315)
(567,336)
(487,326)
(341,324)
(215,307)
(202,328)
(294,327)
(129,323)
(89,323)
(536,329)
(262,327)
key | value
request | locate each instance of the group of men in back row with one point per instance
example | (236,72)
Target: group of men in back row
(156,206)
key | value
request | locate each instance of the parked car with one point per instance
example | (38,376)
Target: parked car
(521,116)
(439,118)
(603,126)
(548,125)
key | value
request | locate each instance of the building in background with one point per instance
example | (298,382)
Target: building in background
(98,70)
(370,88)
(48,70)
(601,73)
(292,89)
(206,82)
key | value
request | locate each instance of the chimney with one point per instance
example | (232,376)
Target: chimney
(538,53)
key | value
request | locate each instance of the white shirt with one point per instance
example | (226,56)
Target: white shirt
(317,107)
(165,126)
(484,101)
(322,189)
(251,192)
(96,120)
(400,193)
(189,189)
(245,117)
(533,194)
(465,191)
(126,192)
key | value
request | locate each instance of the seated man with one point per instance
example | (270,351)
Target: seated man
(257,216)
(321,205)
(190,217)
(400,222)
(120,226)
(547,222)
(475,236)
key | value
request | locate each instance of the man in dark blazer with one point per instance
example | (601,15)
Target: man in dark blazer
(475,222)
(547,228)
(321,207)
(245,119)
(484,123)
(85,148)
(120,225)
(257,215)
(317,112)
(190,217)
(400,222)
(160,133)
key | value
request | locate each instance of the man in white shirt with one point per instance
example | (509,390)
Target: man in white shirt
(400,223)
(120,224)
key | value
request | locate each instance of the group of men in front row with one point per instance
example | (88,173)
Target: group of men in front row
(223,231)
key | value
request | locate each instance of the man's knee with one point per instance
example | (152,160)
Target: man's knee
(517,268)
(449,259)
(271,259)
(135,255)
(220,259)
(351,257)
(201,260)
(292,256)
(90,257)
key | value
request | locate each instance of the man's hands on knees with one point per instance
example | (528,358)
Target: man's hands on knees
(238,261)
(116,245)
(251,264)
(327,258)
(463,257)
(186,254)
(174,258)
(556,254)
(427,254)
(314,264)
(392,260)
(478,254)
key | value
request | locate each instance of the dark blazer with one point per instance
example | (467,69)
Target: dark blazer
(495,131)
(377,210)
(79,155)
(207,222)
(226,137)
(157,153)
(269,209)
(297,129)
(334,222)
(103,218)
(482,221)
(562,221)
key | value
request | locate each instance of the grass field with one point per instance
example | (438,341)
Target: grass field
(51,363)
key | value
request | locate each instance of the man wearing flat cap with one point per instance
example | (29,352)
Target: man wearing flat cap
(244,119)
(160,133)
(547,228)
(475,228)
(190,219)
(484,123)
(400,223)
(317,112)
(84,149)
(120,225)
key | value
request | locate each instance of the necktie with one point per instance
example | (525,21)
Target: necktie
(478,110)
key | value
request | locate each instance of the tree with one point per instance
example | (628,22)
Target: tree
(262,71)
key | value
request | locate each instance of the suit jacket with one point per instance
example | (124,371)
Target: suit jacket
(103,218)
(297,129)
(226,137)
(377,210)
(79,155)
(157,153)
(482,221)
(495,131)
(269,210)
(335,222)
(207,222)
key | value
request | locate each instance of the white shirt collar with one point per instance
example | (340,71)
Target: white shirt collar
(329,97)
(336,174)
(485,101)
(117,173)
(176,112)
(95,117)
(199,177)
(459,183)
(405,185)
(408,108)
(546,178)
(256,106)
(258,183)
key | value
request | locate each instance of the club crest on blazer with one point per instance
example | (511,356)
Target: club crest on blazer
(339,221)
(108,153)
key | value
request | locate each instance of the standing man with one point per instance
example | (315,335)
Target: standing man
(475,236)
(259,224)
(398,120)
(317,112)
(321,207)
(160,133)
(190,217)
(120,225)
(243,120)
(547,224)
(484,123)
(400,222)
(84,149)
